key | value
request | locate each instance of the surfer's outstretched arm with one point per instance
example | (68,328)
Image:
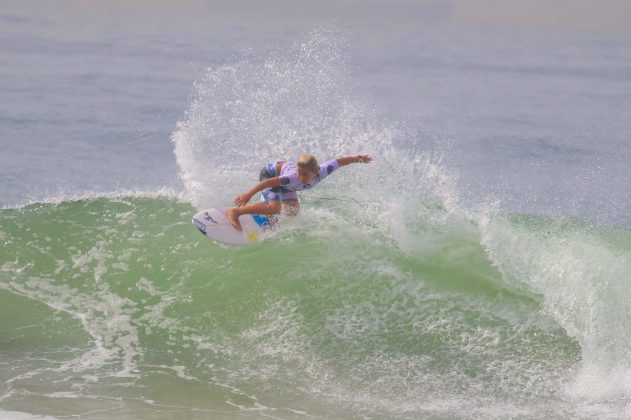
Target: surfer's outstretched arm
(347,160)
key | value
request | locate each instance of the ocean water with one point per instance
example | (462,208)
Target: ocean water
(480,267)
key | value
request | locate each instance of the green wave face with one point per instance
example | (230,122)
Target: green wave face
(119,306)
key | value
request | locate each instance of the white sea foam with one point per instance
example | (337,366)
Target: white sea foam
(107,320)
(18,415)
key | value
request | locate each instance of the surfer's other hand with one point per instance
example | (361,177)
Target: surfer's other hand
(242,200)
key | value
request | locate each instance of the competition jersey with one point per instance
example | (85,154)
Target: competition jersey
(290,180)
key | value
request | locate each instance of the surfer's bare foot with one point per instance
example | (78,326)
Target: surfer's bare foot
(233,217)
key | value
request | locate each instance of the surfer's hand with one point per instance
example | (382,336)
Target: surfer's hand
(242,200)
(365,158)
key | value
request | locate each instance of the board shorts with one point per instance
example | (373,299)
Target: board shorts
(279,193)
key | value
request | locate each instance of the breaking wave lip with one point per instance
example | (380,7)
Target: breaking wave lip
(580,270)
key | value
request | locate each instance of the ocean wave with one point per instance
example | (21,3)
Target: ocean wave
(509,313)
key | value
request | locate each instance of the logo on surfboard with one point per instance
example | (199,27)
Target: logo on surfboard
(210,218)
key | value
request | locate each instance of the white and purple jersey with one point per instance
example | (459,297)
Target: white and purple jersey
(290,182)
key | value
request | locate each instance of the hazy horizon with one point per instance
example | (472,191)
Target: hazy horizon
(608,15)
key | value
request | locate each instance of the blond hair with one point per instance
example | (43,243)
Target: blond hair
(308,162)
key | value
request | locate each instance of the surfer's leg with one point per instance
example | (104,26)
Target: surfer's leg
(268,208)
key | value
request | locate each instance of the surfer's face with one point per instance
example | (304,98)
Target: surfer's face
(305,175)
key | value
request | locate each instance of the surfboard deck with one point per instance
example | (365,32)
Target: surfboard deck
(214,224)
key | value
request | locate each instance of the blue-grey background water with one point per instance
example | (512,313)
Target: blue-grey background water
(480,267)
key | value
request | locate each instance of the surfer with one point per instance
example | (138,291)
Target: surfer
(280,181)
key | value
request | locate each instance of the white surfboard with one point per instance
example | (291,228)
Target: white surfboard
(214,224)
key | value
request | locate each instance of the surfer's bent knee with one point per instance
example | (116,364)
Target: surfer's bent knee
(274,206)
